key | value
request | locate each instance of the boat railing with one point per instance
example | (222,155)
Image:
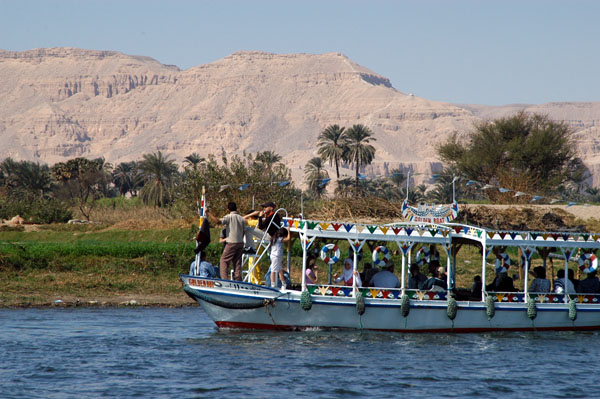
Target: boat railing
(544,297)
(374,292)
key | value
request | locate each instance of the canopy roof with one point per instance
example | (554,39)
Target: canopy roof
(440,234)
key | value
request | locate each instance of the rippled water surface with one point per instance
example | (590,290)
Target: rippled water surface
(123,353)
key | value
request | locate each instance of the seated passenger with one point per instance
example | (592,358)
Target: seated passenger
(368,272)
(204,269)
(502,282)
(559,283)
(540,283)
(416,278)
(476,287)
(386,277)
(589,285)
(348,274)
(311,271)
(434,282)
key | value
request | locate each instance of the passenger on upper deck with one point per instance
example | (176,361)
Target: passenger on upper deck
(589,285)
(386,277)
(540,283)
(416,278)
(348,274)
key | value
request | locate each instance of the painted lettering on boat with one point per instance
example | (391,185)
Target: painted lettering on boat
(418,219)
(201,283)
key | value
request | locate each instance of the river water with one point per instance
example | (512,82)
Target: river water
(178,353)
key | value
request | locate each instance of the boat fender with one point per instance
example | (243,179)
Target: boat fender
(490,306)
(330,254)
(405,306)
(306,301)
(572,309)
(360,304)
(452,308)
(531,308)
(386,256)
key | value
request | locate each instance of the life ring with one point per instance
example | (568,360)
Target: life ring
(588,263)
(502,266)
(330,249)
(422,256)
(386,255)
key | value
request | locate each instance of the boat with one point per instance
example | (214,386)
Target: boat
(244,305)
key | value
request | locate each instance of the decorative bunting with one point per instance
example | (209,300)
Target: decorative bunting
(324,226)
(312,225)
(359,228)
(301,224)
(323,289)
(371,228)
(520,194)
(384,229)
(336,226)
(536,197)
(397,230)
(408,231)
(348,227)
(504,190)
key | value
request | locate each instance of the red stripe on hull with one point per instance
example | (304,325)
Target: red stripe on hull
(258,326)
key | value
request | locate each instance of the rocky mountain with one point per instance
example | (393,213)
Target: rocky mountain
(59,103)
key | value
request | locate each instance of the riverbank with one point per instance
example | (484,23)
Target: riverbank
(137,263)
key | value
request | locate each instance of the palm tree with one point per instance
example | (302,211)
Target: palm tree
(332,145)
(268,158)
(35,178)
(314,173)
(193,160)
(359,152)
(158,173)
(126,178)
(397,176)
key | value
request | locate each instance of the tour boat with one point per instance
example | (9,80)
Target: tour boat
(241,304)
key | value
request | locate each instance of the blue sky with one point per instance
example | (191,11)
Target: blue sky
(480,52)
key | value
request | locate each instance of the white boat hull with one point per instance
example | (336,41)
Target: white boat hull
(283,311)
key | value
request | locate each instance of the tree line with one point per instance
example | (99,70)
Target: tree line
(524,153)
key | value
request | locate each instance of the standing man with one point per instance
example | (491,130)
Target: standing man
(234,243)
(266,216)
